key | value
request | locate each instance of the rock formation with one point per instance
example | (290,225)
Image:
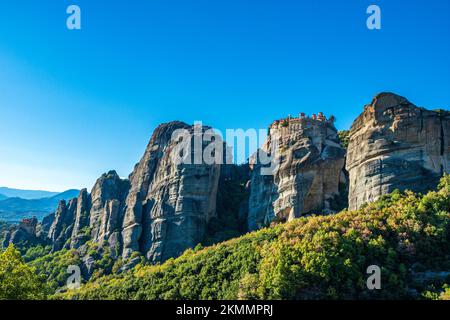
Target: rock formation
(307,161)
(396,145)
(160,211)
(62,226)
(167,206)
(79,235)
(107,200)
(169,203)
(95,216)
(24,233)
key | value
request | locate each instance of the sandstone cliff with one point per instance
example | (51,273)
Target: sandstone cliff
(396,145)
(307,171)
(169,204)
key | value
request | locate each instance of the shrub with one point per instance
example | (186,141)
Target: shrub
(18,281)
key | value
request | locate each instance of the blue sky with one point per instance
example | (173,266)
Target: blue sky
(74,104)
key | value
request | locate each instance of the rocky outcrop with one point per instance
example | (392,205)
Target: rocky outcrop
(396,145)
(95,216)
(169,203)
(107,200)
(23,234)
(307,163)
(79,233)
(62,226)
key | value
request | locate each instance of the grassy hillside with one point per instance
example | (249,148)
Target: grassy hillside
(322,257)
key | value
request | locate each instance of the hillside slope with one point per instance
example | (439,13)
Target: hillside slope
(321,257)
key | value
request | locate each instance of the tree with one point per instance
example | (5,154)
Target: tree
(18,281)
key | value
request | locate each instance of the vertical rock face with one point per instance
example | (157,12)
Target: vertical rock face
(107,202)
(308,173)
(169,203)
(81,219)
(396,145)
(62,225)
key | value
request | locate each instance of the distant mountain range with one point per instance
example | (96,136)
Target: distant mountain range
(17,204)
(26,194)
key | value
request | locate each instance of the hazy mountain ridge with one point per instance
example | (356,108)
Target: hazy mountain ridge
(13,209)
(26,194)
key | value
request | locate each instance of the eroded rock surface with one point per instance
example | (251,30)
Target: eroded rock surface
(160,211)
(396,145)
(308,161)
(169,204)
(95,216)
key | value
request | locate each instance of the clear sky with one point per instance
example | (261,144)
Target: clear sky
(75,104)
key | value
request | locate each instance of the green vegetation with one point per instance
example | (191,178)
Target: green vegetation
(344,136)
(321,257)
(53,267)
(18,281)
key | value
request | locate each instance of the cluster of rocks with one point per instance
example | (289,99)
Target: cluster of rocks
(162,209)
(165,207)
(95,216)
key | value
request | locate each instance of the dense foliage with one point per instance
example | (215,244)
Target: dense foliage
(53,267)
(18,281)
(322,257)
